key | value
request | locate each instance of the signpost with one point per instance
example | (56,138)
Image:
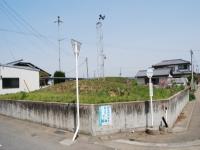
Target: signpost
(149,75)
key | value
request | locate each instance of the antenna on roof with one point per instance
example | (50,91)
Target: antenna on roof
(13,62)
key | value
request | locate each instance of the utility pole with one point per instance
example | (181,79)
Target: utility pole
(120,72)
(59,40)
(192,70)
(86,61)
(149,75)
(94,74)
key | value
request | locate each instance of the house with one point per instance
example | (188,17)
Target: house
(164,71)
(44,75)
(18,78)
(180,68)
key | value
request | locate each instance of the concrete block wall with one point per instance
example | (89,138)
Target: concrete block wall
(136,115)
(125,116)
(51,114)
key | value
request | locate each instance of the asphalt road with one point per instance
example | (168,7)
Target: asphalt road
(23,135)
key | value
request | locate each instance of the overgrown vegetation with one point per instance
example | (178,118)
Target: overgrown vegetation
(112,89)
(192,95)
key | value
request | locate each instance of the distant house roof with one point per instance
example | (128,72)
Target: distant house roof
(156,72)
(171,62)
(27,64)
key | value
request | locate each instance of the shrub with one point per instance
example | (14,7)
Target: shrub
(59,74)
(191,96)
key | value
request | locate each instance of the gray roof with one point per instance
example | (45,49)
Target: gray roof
(156,72)
(171,62)
(19,67)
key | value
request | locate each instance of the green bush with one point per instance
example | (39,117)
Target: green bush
(59,74)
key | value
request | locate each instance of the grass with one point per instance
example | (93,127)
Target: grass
(112,89)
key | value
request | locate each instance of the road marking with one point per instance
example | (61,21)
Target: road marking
(0,145)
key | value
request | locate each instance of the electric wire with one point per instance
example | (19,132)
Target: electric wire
(18,18)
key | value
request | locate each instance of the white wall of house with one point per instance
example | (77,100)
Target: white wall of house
(28,79)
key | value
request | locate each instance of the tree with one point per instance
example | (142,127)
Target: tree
(59,74)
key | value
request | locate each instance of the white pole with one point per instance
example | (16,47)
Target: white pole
(151,103)
(77,95)
(166,114)
(59,54)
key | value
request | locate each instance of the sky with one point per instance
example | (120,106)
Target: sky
(137,33)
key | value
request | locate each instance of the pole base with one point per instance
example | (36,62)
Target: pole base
(67,142)
(152,131)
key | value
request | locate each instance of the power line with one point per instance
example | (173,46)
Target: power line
(9,16)
(19,20)
(192,69)
(17,32)
(71,70)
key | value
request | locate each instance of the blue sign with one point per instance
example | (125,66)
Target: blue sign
(105,115)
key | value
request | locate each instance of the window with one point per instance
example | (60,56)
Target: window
(154,81)
(9,83)
(183,67)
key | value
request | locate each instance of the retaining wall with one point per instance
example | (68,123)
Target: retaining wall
(122,116)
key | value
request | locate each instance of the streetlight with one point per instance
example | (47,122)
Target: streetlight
(149,75)
(76,47)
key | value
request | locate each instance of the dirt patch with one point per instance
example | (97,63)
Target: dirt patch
(181,117)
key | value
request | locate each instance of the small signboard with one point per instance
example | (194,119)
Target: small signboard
(105,115)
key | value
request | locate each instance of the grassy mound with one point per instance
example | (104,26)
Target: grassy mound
(112,89)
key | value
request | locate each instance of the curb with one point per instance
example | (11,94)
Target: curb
(168,145)
(178,129)
(190,117)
